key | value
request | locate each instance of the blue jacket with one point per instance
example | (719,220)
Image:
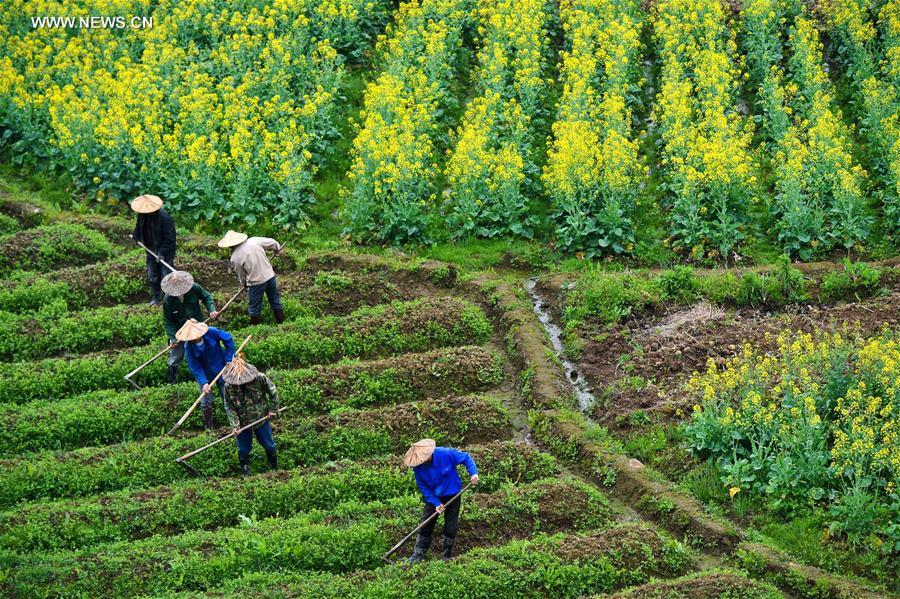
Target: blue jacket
(439,478)
(205,362)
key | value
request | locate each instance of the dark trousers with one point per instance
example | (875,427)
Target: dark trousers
(176,354)
(451,517)
(156,271)
(208,398)
(263,435)
(255,295)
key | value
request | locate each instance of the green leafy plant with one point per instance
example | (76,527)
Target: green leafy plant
(856,280)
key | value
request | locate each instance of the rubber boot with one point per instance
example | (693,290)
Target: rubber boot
(422,545)
(448,548)
(256,319)
(272,458)
(245,464)
(155,296)
(172,375)
(279,316)
(208,422)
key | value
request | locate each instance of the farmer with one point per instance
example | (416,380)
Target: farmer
(156,230)
(435,472)
(182,301)
(250,396)
(206,357)
(255,272)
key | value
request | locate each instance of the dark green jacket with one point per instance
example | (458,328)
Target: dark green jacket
(251,401)
(177,310)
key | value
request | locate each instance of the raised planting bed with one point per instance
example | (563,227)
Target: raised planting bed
(713,584)
(557,566)
(119,280)
(211,504)
(319,284)
(301,442)
(8,225)
(113,416)
(367,333)
(56,331)
(348,537)
(52,246)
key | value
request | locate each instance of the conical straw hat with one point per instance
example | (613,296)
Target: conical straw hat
(177,282)
(419,453)
(231,239)
(146,204)
(191,330)
(239,372)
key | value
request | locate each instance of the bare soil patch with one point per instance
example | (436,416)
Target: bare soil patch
(642,362)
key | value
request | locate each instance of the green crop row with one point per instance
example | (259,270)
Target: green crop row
(52,246)
(369,332)
(709,583)
(121,279)
(103,283)
(54,330)
(8,225)
(102,417)
(208,505)
(301,442)
(350,536)
(557,566)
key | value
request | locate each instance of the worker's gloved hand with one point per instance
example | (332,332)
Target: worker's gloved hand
(235,431)
(440,509)
(213,315)
(158,258)
(133,240)
(474,479)
(272,414)
(206,388)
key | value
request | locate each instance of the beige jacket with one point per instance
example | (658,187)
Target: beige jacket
(250,262)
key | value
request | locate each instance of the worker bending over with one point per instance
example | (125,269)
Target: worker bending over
(437,478)
(255,272)
(207,350)
(181,302)
(250,396)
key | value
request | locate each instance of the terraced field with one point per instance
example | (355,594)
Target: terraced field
(376,353)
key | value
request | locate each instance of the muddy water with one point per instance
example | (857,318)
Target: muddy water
(579,384)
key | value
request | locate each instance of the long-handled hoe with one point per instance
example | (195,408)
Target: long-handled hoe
(170,346)
(421,525)
(182,461)
(155,255)
(211,390)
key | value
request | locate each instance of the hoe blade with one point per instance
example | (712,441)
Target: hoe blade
(189,468)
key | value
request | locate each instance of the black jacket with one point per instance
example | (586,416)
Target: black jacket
(163,227)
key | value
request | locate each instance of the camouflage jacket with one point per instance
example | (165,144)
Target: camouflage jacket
(250,401)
